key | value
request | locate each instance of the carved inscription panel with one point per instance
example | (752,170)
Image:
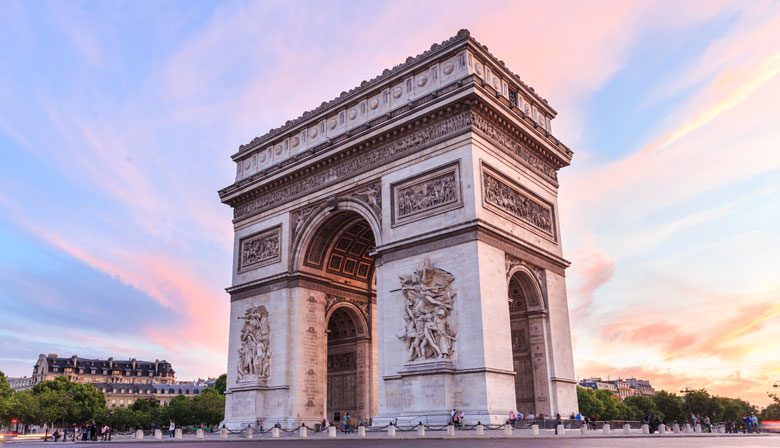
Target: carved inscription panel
(430,193)
(512,200)
(260,249)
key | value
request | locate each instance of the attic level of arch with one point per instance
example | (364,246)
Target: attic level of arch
(484,115)
(551,148)
(461,50)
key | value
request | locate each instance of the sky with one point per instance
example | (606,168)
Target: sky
(117,120)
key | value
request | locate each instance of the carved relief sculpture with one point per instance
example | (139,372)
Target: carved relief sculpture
(516,204)
(259,249)
(430,329)
(254,353)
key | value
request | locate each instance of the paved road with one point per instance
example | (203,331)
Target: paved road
(724,441)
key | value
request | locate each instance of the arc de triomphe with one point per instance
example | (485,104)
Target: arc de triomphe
(397,253)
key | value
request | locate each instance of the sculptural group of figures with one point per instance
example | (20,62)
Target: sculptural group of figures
(428,194)
(430,328)
(524,208)
(254,354)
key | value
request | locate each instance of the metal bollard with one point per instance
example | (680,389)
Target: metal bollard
(139,434)
(645,428)
(303,432)
(199,433)
(450,429)
(391,430)
(661,429)
(507,430)
(480,429)
(223,433)
(606,428)
(561,430)
(331,431)
(535,430)
(626,428)
(361,431)
(420,430)
(158,434)
(275,432)
(177,433)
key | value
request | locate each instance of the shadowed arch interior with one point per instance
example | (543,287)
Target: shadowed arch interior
(523,297)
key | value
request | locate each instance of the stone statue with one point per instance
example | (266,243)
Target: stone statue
(430,329)
(254,353)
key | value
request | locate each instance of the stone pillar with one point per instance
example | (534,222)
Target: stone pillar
(606,428)
(199,433)
(507,429)
(139,434)
(249,433)
(158,434)
(626,428)
(275,432)
(661,429)
(697,428)
(480,429)
(645,428)
(420,430)
(331,431)
(676,428)
(561,430)
(177,433)
(391,430)
(223,433)
(584,429)
(535,430)
(361,431)
(450,430)
(303,432)
(687,428)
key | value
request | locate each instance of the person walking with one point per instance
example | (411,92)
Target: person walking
(171,429)
(754,422)
(558,421)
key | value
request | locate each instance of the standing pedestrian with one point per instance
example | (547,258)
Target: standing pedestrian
(462,419)
(558,421)
(171,429)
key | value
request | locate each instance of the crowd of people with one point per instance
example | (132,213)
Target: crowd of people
(85,432)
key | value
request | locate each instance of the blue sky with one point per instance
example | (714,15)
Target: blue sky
(117,120)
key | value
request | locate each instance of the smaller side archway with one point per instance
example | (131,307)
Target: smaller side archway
(527,319)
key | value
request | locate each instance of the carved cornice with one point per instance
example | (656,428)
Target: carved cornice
(410,138)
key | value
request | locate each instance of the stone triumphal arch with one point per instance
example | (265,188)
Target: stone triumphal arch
(397,253)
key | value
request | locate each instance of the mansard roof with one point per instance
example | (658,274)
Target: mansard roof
(436,49)
(108,364)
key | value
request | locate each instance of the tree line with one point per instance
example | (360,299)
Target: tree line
(63,403)
(669,407)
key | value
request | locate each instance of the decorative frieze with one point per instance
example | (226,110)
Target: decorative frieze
(352,165)
(342,361)
(260,249)
(371,195)
(430,193)
(254,352)
(507,142)
(512,199)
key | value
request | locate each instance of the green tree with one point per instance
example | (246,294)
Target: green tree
(643,405)
(25,408)
(589,404)
(771,412)
(179,410)
(221,384)
(121,419)
(611,411)
(62,399)
(670,406)
(209,407)
(5,401)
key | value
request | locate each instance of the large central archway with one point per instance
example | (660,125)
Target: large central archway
(339,253)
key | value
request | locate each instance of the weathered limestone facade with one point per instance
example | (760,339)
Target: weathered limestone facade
(397,253)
